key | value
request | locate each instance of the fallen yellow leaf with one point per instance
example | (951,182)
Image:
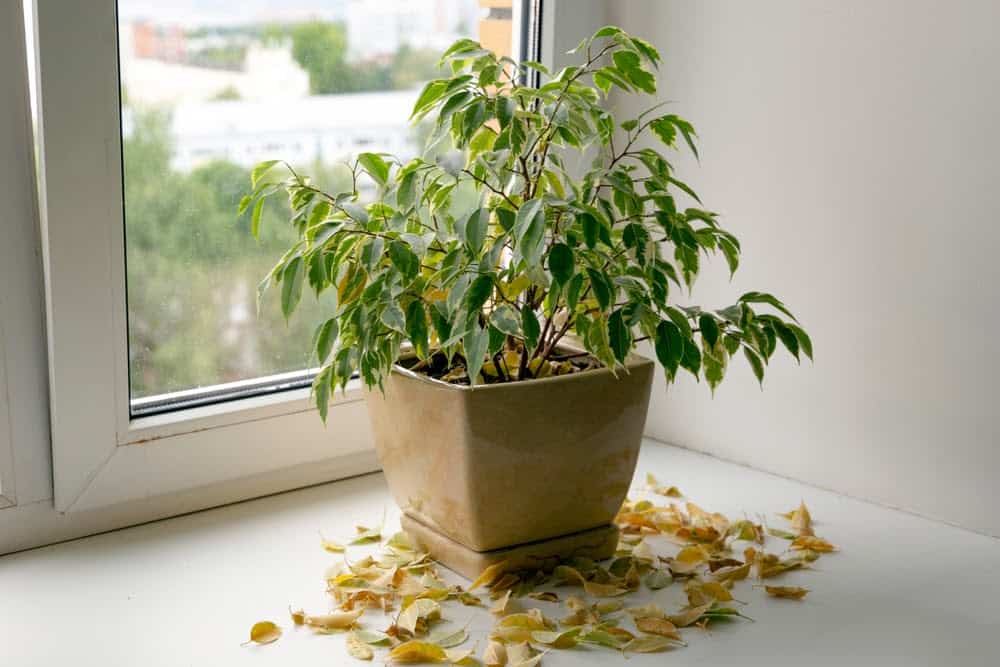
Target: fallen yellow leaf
(800,519)
(489,575)
(417,651)
(358,649)
(495,654)
(688,615)
(264,632)
(331,546)
(789,592)
(648,644)
(657,626)
(812,543)
(337,620)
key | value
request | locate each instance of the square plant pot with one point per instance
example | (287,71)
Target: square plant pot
(541,464)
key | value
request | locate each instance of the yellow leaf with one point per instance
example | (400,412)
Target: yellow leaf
(788,592)
(689,559)
(470,600)
(449,638)
(561,640)
(264,632)
(421,608)
(658,626)
(603,590)
(460,656)
(495,654)
(521,655)
(330,546)
(648,644)
(358,649)
(688,615)
(298,616)
(650,610)
(544,596)
(418,651)
(337,620)
(800,519)
(489,575)
(500,607)
(812,543)
(643,552)
(732,573)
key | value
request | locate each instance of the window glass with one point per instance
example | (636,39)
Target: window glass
(211,87)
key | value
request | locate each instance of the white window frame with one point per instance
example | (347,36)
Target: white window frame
(8,495)
(102,456)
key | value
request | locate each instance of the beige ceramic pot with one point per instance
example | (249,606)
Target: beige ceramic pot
(492,467)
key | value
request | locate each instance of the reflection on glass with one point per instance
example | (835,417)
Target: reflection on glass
(211,87)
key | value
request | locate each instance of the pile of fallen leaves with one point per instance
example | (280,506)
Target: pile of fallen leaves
(400,590)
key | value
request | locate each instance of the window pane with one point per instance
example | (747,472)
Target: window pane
(211,87)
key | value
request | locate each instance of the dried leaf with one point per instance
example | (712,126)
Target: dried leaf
(460,656)
(733,573)
(544,596)
(788,592)
(705,592)
(603,590)
(417,651)
(489,575)
(421,608)
(358,649)
(298,616)
(449,638)
(689,559)
(800,519)
(812,543)
(555,639)
(373,637)
(367,535)
(650,610)
(643,552)
(655,486)
(689,615)
(601,637)
(748,531)
(658,626)
(502,605)
(658,579)
(783,534)
(331,546)
(337,620)
(521,655)
(264,632)
(495,654)
(648,644)
(470,600)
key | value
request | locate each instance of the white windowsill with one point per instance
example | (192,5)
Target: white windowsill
(903,591)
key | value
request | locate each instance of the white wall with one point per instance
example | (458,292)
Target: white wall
(853,147)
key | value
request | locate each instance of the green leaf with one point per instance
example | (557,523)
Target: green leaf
(669,346)
(561,263)
(321,391)
(709,329)
(439,318)
(591,227)
(619,336)
(416,327)
(756,364)
(607,31)
(787,337)
(430,94)
(404,260)
(479,291)
(376,167)
(259,170)
(664,130)
(476,227)
(529,231)
(291,285)
(691,359)
(530,326)
(506,320)
(392,317)
(326,336)
(600,287)
(764,297)
(805,343)
(506,106)
(255,219)
(573,289)
(475,343)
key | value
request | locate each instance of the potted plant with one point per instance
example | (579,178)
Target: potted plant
(491,294)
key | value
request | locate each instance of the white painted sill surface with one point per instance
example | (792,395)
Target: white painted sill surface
(184,591)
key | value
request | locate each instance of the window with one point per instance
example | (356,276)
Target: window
(163,378)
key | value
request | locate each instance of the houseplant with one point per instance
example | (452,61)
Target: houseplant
(522,273)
